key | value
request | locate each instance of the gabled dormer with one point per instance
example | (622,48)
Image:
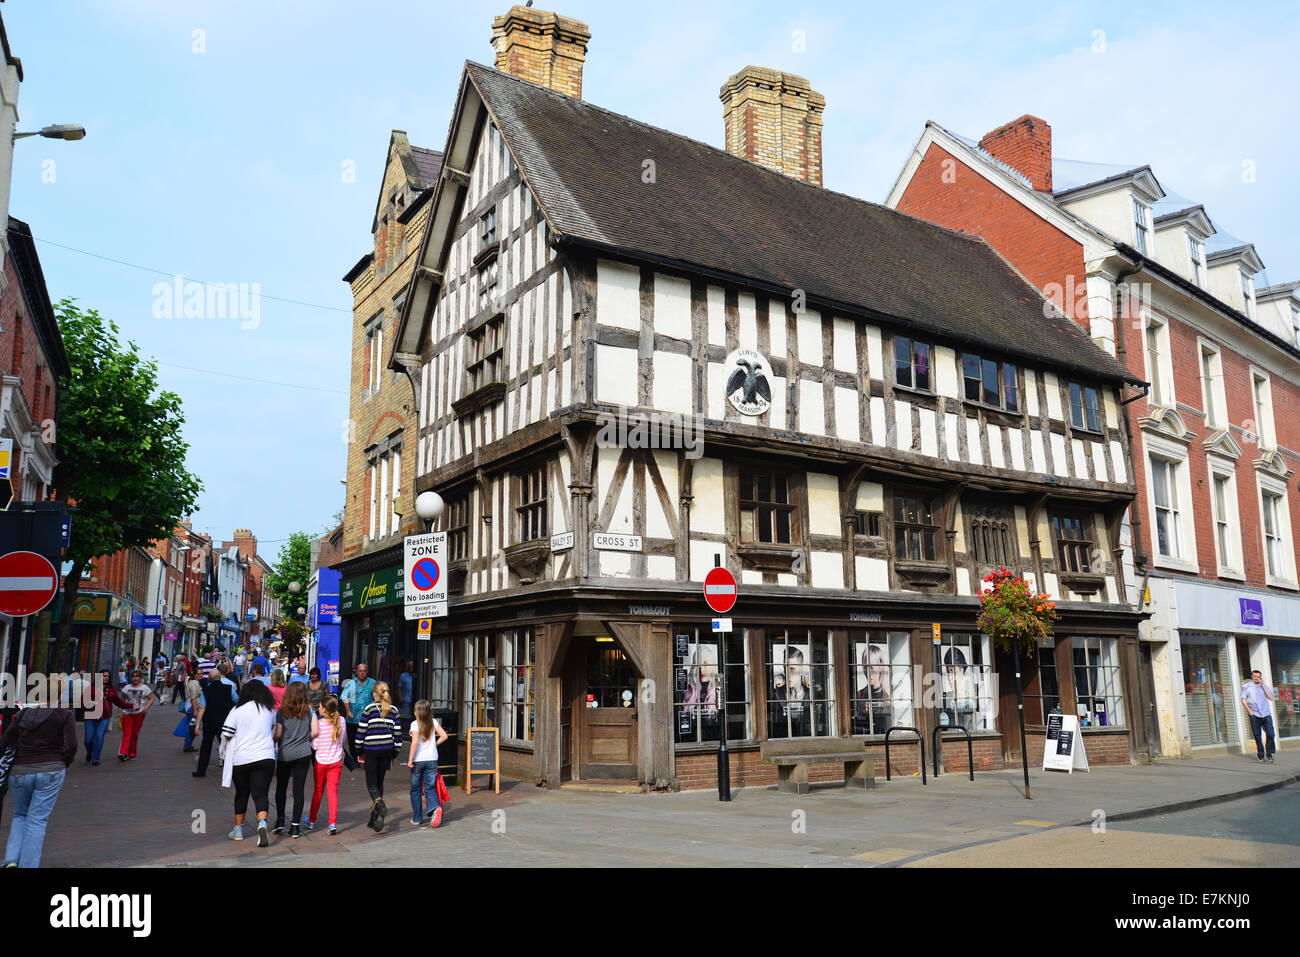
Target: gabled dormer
(1232,276)
(1279,310)
(1180,242)
(1119,205)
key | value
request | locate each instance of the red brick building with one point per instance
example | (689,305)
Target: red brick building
(1215,435)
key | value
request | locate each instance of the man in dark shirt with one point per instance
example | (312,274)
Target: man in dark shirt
(220,698)
(45,744)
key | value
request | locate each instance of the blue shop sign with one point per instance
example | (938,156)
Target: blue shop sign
(1252,611)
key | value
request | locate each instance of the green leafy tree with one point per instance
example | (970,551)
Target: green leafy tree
(292,565)
(120,447)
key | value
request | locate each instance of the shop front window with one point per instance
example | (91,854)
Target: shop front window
(966,682)
(800,684)
(1285,656)
(517,650)
(481,681)
(881,681)
(697,689)
(1212,706)
(1096,681)
(442,677)
(1043,697)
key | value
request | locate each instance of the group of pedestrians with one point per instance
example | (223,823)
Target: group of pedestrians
(284,730)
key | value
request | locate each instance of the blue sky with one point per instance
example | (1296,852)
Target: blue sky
(227,164)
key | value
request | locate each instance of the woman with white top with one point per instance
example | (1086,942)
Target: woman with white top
(248,744)
(426,735)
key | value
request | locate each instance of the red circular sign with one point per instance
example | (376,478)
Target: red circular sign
(27,583)
(720,590)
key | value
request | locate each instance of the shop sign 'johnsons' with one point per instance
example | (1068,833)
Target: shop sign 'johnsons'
(749,382)
(381,589)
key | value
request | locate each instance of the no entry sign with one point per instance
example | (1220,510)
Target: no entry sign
(27,583)
(720,590)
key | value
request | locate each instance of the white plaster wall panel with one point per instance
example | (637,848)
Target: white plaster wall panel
(950,436)
(667,462)
(707,510)
(902,425)
(1099,460)
(662,567)
(552,392)
(787,579)
(656,524)
(616,375)
(1058,455)
(996,458)
(827,570)
(944,366)
(824,504)
(872,574)
(750,577)
(877,406)
(929,433)
(747,325)
(963,583)
(1017,439)
(809,326)
(875,364)
(672,382)
(811,414)
(776,328)
(1022,530)
(1053,395)
(618,295)
(715,403)
(717,316)
(845,346)
(1031,393)
(1117,462)
(775,414)
(1053,586)
(1036,450)
(534,397)
(1112,416)
(424,394)
(702,559)
(615,564)
(673,307)
(973,441)
(847,426)
(620,519)
(871,497)
(566,382)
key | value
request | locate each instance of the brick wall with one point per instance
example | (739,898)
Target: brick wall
(374,415)
(1185,361)
(21,355)
(944,190)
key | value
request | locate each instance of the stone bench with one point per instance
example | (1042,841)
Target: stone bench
(793,758)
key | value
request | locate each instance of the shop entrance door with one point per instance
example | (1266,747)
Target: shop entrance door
(1147,687)
(607,715)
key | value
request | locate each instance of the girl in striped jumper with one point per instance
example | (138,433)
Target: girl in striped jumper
(379,735)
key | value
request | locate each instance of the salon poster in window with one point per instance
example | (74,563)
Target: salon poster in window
(872,705)
(1064,751)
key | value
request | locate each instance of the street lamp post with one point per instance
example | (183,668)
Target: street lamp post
(60,131)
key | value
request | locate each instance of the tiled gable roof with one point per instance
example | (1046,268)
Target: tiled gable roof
(710,211)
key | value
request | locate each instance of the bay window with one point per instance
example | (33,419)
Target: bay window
(767,514)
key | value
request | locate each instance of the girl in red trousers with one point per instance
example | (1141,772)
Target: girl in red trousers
(140,696)
(327,739)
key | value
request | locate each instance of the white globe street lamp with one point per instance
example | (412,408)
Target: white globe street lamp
(428,505)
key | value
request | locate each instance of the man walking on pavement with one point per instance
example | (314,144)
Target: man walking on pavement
(220,698)
(357,693)
(1256,695)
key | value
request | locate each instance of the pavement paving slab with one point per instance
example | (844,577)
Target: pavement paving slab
(152,812)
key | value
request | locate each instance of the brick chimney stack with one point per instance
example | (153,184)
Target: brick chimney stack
(774,119)
(542,47)
(1026,146)
(246,542)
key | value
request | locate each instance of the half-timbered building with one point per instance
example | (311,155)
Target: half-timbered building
(636,356)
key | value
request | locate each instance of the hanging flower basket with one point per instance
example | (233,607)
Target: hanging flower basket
(211,612)
(1013,615)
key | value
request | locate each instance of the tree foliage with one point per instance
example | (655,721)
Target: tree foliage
(120,447)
